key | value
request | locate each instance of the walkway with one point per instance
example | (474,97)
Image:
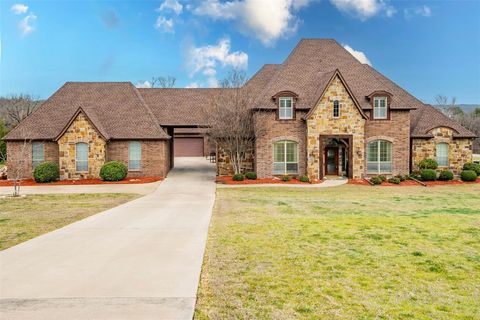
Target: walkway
(140,260)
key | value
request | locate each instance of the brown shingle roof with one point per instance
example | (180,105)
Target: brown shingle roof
(116,108)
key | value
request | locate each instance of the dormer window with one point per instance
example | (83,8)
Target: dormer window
(380,108)
(336,109)
(285,108)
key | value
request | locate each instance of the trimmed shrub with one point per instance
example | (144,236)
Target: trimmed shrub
(238,177)
(383,178)
(428,175)
(401,178)
(468,175)
(46,172)
(113,171)
(445,175)
(473,167)
(394,180)
(428,164)
(304,179)
(376,180)
(251,176)
(286,178)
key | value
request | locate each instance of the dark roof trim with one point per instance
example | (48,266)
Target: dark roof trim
(378,93)
(72,119)
(355,101)
(285,93)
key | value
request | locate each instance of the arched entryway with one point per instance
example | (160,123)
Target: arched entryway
(336,156)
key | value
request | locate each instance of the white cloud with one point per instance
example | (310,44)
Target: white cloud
(25,25)
(364,9)
(193,85)
(143,84)
(359,55)
(424,11)
(164,25)
(171,5)
(19,8)
(267,20)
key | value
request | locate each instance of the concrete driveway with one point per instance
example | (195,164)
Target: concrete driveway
(140,260)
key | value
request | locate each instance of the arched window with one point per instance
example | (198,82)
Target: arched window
(285,157)
(336,109)
(379,157)
(442,154)
(81,156)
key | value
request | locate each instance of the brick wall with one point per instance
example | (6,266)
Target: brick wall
(155,157)
(19,155)
(397,131)
(275,130)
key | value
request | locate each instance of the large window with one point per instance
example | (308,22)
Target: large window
(285,108)
(38,154)
(442,154)
(134,155)
(336,109)
(379,157)
(380,108)
(81,156)
(285,157)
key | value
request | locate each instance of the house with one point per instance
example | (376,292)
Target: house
(323,113)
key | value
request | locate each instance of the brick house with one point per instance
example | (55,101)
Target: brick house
(323,113)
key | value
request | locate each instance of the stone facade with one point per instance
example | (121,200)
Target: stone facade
(81,130)
(19,155)
(322,122)
(459,150)
(274,130)
(396,129)
(155,157)
(224,166)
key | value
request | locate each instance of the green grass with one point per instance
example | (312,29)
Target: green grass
(24,218)
(348,252)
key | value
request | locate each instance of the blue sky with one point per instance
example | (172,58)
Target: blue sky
(427,47)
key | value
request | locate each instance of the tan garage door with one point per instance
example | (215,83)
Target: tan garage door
(188,147)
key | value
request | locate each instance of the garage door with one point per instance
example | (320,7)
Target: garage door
(188,147)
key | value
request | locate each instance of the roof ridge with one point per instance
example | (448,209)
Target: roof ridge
(149,110)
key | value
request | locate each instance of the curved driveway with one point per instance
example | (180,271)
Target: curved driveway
(140,260)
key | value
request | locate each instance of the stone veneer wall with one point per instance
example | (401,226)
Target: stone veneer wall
(322,122)
(459,150)
(15,159)
(274,130)
(81,130)
(225,168)
(155,157)
(397,131)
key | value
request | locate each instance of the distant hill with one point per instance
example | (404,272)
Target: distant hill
(467,107)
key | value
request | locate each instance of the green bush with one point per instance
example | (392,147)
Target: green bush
(401,178)
(376,180)
(394,180)
(251,176)
(468,175)
(383,178)
(46,172)
(428,175)
(473,167)
(286,178)
(304,179)
(428,164)
(113,171)
(238,177)
(445,175)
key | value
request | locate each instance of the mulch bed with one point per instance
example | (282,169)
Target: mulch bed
(229,180)
(31,182)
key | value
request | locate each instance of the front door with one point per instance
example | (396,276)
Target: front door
(331,161)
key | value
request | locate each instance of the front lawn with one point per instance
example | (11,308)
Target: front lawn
(24,218)
(349,252)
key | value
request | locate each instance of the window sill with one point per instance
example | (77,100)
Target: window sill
(134,170)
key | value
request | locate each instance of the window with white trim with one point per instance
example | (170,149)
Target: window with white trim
(134,155)
(81,156)
(442,154)
(38,154)
(336,109)
(285,157)
(380,107)
(379,157)
(285,108)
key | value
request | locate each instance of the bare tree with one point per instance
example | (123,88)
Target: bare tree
(163,82)
(231,120)
(3,146)
(16,172)
(448,107)
(17,107)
